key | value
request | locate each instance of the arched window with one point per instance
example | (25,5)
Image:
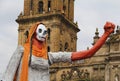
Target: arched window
(116,77)
(48,49)
(66,46)
(31,4)
(26,34)
(61,46)
(40,7)
(49,33)
(49,5)
(64,6)
(69,8)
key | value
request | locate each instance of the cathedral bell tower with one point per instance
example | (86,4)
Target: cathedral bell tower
(57,15)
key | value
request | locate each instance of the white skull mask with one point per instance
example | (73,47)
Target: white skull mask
(41,32)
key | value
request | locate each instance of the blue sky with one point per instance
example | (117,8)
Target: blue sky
(90,14)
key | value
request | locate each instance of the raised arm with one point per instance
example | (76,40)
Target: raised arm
(109,28)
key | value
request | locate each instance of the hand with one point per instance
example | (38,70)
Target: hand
(109,27)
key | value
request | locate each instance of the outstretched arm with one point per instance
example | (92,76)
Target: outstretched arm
(109,28)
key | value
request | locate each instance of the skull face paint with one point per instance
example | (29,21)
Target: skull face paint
(41,32)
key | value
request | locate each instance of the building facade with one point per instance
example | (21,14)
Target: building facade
(103,66)
(58,16)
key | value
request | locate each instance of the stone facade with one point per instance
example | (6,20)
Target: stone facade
(103,66)
(58,16)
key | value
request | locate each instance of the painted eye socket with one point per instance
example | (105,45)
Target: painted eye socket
(45,32)
(40,30)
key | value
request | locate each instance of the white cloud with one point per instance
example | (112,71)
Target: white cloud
(8,44)
(9,10)
(93,14)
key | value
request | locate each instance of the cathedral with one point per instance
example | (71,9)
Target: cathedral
(58,16)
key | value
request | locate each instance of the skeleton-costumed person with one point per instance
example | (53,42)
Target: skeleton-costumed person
(31,62)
